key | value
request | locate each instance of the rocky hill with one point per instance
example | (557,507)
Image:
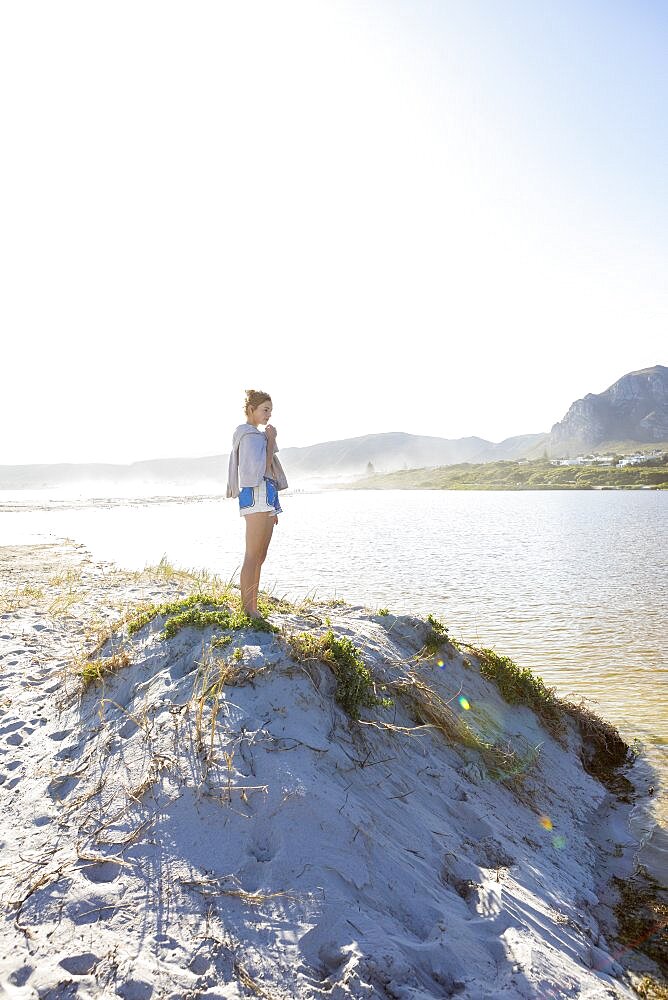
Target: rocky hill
(634,408)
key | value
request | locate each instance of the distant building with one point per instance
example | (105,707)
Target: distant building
(638,458)
(584,460)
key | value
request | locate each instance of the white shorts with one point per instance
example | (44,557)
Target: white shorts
(262,499)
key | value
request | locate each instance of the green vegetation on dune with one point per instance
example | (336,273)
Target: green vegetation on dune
(603,751)
(520,686)
(201,610)
(191,612)
(96,670)
(539,474)
(355,685)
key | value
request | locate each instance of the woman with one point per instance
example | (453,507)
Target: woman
(255,475)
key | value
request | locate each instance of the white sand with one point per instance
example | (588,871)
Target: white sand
(400,868)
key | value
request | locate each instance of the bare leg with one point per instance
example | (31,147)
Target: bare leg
(247,585)
(258,532)
(250,569)
(269,528)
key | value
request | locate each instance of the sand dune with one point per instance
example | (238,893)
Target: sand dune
(261,842)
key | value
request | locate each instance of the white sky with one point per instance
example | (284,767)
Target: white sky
(392,216)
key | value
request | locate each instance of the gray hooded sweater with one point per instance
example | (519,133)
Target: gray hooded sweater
(248,460)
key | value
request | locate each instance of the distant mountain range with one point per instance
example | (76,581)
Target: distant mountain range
(632,411)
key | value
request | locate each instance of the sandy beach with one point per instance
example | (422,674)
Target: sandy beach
(193,812)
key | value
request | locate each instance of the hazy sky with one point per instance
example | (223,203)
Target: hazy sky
(435,217)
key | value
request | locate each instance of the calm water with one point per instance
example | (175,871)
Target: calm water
(571,584)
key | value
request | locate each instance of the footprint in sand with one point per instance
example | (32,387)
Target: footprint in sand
(135,989)
(60,735)
(199,964)
(489,853)
(17,730)
(65,990)
(32,681)
(165,941)
(79,965)
(62,786)
(263,846)
(20,977)
(11,727)
(104,871)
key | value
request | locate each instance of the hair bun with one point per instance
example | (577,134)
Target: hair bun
(253,399)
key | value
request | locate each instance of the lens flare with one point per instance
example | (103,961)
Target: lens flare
(463,702)
(440,663)
(546,822)
(559,841)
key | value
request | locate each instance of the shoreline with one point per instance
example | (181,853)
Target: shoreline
(58,747)
(481,487)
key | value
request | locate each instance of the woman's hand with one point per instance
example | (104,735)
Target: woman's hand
(270,431)
(275,518)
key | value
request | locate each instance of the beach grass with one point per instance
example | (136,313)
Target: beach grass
(355,685)
(199,610)
(96,670)
(20,597)
(604,750)
(427,706)
(521,686)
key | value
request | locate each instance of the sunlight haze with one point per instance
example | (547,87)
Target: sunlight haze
(443,219)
